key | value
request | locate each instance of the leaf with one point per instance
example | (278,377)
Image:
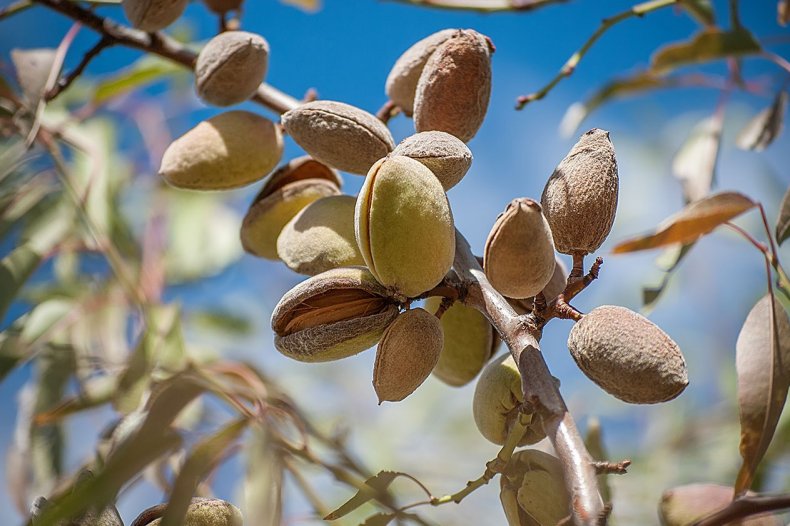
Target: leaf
(641,81)
(222,321)
(204,456)
(305,5)
(375,486)
(262,481)
(783,221)
(701,10)
(143,72)
(765,127)
(695,163)
(33,67)
(763,366)
(379,519)
(708,45)
(672,256)
(695,220)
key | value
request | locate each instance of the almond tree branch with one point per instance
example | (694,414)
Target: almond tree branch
(64,82)
(746,507)
(521,334)
(483,6)
(158,44)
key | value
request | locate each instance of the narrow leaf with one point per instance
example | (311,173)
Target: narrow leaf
(763,366)
(695,163)
(708,45)
(671,258)
(379,519)
(263,481)
(765,127)
(695,220)
(375,485)
(783,221)
(143,72)
(33,67)
(701,10)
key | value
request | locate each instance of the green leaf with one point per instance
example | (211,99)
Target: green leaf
(765,127)
(763,365)
(143,72)
(374,488)
(695,163)
(783,221)
(379,519)
(701,10)
(708,45)
(694,221)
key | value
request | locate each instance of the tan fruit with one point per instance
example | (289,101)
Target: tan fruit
(406,355)
(291,188)
(519,253)
(153,15)
(229,150)
(230,67)
(455,85)
(209,512)
(223,6)
(333,315)
(555,286)
(685,505)
(628,356)
(533,490)
(338,134)
(321,237)
(580,198)
(495,405)
(469,342)
(446,156)
(404,226)
(402,80)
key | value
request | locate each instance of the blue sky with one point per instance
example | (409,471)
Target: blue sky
(345,51)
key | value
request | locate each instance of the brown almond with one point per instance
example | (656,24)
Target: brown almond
(153,15)
(230,67)
(445,155)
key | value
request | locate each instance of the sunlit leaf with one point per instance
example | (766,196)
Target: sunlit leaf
(33,67)
(375,486)
(695,163)
(144,71)
(204,456)
(783,12)
(763,365)
(783,221)
(307,5)
(263,481)
(765,127)
(379,519)
(708,45)
(695,220)
(701,10)
(669,260)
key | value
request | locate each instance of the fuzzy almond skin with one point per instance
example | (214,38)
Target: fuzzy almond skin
(580,198)
(153,15)
(209,512)
(497,398)
(455,86)
(345,311)
(223,6)
(519,253)
(685,505)
(404,226)
(405,74)
(338,134)
(321,237)
(406,355)
(230,67)
(445,155)
(469,343)
(628,356)
(230,150)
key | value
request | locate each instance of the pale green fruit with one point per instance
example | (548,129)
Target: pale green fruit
(229,150)
(404,226)
(685,505)
(153,15)
(495,405)
(291,188)
(402,81)
(469,342)
(338,134)
(406,355)
(209,512)
(230,67)
(519,252)
(628,356)
(321,237)
(580,198)
(445,155)
(536,481)
(333,315)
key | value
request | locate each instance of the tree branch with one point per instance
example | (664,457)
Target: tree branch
(64,82)
(483,6)
(746,507)
(521,334)
(158,44)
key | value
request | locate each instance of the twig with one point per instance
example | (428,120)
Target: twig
(159,44)
(482,6)
(746,506)
(607,23)
(782,282)
(777,59)
(614,468)
(538,385)
(67,80)
(387,111)
(16,7)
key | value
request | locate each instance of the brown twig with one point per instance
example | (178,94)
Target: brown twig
(387,111)
(158,44)
(520,335)
(614,468)
(746,506)
(64,82)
